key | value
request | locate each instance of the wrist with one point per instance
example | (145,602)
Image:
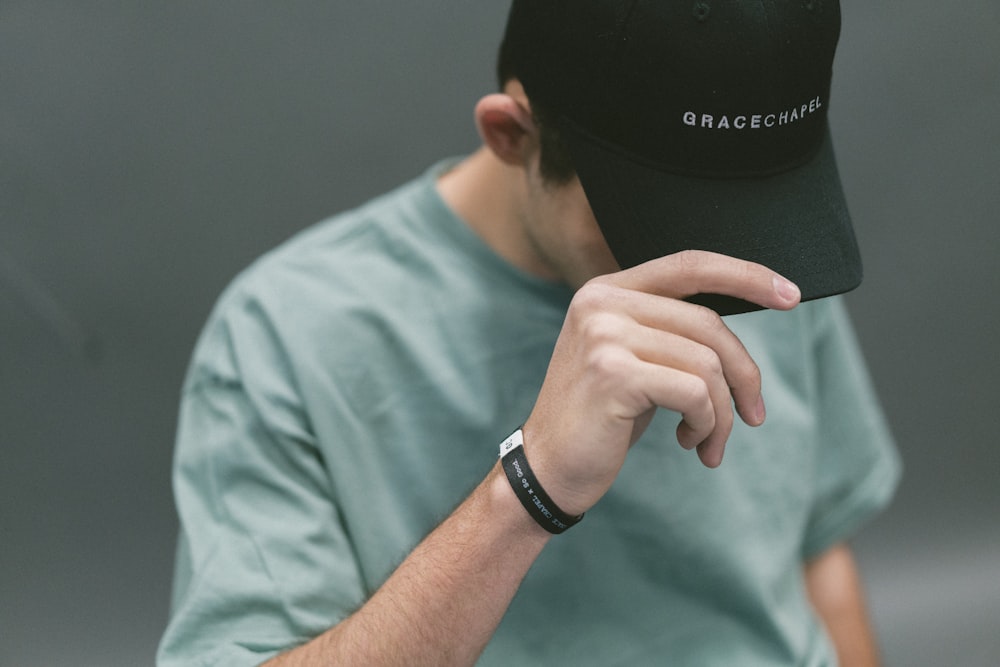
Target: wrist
(505,505)
(529,490)
(551,469)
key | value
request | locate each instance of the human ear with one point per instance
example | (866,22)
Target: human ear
(507,127)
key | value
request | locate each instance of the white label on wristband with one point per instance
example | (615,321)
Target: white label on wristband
(515,440)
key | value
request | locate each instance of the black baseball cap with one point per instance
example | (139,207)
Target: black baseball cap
(698,124)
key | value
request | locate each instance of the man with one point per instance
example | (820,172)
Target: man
(337,474)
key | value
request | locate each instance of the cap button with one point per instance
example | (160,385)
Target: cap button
(701,11)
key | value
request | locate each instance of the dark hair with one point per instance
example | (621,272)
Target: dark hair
(555,162)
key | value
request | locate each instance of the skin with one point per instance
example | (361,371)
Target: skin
(628,346)
(836,592)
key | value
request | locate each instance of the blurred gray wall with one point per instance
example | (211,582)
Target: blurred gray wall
(150,150)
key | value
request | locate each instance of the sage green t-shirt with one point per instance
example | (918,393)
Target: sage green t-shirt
(351,388)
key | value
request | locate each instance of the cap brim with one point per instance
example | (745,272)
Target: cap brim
(795,222)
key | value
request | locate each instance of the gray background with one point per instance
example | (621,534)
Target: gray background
(149,150)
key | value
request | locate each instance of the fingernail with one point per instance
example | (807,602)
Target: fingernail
(786,289)
(760,413)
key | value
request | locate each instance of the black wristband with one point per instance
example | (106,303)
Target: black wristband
(528,490)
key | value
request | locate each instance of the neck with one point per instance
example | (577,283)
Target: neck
(489,196)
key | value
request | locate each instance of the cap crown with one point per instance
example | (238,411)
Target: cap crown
(713,88)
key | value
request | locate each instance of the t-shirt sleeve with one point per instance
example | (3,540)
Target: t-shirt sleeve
(858,466)
(264,562)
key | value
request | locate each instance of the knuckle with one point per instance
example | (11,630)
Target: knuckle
(607,362)
(697,397)
(708,364)
(756,276)
(604,279)
(724,419)
(595,295)
(600,328)
(709,320)
(744,371)
(752,375)
(689,261)
(747,271)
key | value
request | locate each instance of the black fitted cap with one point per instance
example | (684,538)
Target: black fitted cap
(698,125)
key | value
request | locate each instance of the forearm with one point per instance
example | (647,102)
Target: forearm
(444,602)
(837,594)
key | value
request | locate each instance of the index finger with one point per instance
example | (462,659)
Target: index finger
(692,272)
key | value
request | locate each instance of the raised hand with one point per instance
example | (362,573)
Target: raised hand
(629,345)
